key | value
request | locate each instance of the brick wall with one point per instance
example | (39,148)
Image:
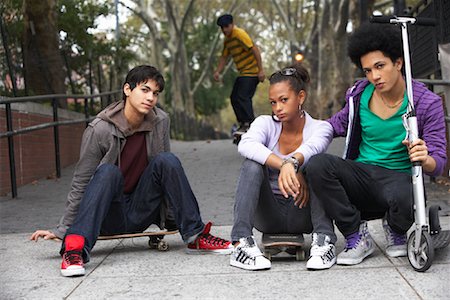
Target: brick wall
(35,151)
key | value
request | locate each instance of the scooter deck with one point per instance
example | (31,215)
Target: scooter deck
(441,240)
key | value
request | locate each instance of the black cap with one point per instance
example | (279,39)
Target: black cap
(225,20)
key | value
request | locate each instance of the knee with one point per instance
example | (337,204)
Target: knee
(317,163)
(167,159)
(403,202)
(251,169)
(110,171)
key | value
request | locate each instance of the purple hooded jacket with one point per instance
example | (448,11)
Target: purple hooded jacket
(430,120)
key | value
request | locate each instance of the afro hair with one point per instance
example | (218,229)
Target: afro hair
(371,37)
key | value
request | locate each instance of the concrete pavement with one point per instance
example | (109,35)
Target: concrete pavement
(127,269)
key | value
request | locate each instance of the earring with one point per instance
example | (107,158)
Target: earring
(275,118)
(301,111)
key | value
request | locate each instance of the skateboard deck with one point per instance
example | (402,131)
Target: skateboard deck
(291,244)
(156,238)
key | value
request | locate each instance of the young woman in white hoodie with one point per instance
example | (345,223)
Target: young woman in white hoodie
(272,195)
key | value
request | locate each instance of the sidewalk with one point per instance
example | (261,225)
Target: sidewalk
(127,269)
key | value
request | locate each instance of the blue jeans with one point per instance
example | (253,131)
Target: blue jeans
(106,210)
(258,207)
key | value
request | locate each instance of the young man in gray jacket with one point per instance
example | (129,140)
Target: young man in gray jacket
(124,176)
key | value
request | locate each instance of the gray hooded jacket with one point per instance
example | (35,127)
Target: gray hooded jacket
(102,143)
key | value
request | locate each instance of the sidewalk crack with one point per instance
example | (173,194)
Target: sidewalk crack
(95,268)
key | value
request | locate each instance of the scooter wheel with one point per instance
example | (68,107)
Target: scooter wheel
(422,259)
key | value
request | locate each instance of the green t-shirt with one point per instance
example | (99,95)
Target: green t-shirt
(381,143)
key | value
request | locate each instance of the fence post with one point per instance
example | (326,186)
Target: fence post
(12,161)
(56,138)
(86,110)
(12,164)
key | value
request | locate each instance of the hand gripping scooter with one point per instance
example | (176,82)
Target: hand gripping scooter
(426,237)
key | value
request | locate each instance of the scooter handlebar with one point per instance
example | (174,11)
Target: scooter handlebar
(426,21)
(381,19)
(418,21)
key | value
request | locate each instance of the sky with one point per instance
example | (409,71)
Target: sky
(108,23)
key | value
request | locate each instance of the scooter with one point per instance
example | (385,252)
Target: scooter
(423,237)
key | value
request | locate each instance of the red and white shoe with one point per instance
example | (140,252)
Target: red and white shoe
(72,262)
(207,243)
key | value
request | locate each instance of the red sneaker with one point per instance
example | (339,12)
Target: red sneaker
(72,262)
(206,242)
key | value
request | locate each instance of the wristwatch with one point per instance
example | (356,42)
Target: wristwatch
(291,160)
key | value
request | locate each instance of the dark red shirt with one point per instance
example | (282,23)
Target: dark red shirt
(133,160)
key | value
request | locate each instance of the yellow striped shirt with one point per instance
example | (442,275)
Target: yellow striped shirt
(239,46)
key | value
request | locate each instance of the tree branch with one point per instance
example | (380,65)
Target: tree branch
(171,17)
(342,19)
(148,21)
(205,71)
(284,17)
(212,51)
(186,13)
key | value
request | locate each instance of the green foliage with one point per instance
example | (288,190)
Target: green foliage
(12,20)
(76,18)
(210,97)
(80,43)
(210,100)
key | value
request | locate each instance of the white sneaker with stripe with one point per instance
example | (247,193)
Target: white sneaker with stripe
(322,254)
(246,255)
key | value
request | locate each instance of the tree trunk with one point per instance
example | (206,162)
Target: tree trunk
(43,62)
(181,80)
(326,57)
(333,63)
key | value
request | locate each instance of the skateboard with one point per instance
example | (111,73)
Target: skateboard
(288,243)
(156,238)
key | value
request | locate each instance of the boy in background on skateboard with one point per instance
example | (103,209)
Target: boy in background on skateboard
(247,58)
(374,179)
(271,193)
(125,175)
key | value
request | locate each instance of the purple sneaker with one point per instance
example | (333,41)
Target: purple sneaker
(396,242)
(359,246)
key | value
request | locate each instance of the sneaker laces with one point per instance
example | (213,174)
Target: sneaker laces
(73,257)
(320,247)
(317,250)
(352,241)
(394,238)
(212,240)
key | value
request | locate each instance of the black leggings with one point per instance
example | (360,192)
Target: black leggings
(351,191)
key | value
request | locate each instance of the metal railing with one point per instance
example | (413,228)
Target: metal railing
(55,124)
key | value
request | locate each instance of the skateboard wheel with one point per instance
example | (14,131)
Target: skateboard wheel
(300,254)
(153,242)
(163,246)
